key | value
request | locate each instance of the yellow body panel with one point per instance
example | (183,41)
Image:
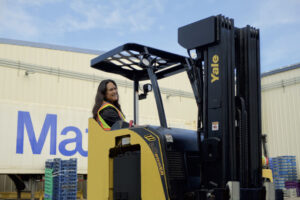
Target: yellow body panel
(267,173)
(100,175)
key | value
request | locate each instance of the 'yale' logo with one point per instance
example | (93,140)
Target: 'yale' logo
(215,68)
(150,138)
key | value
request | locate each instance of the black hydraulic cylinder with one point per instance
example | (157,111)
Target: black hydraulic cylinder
(248,88)
(220,101)
(213,39)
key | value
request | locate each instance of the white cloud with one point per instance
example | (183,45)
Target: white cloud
(279,22)
(15,20)
(16,17)
(116,15)
(35,2)
(159,5)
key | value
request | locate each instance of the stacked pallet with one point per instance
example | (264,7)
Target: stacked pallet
(48,193)
(64,176)
(283,169)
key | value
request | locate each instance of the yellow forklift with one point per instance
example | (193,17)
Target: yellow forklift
(219,160)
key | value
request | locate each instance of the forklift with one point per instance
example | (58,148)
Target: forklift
(222,158)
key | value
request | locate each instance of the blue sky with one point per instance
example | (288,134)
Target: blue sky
(103,25)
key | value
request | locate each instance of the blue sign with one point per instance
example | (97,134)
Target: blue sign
(50,125)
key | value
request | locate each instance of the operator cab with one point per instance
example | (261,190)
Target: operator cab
(179,147)
(139,63)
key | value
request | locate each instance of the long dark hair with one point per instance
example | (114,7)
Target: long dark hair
(100,97)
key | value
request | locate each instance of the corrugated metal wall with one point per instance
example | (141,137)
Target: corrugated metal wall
(280,105)
(281,113)
(42,77)
(57,90)
(6,184)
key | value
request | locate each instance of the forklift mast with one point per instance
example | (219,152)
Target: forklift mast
(225,77)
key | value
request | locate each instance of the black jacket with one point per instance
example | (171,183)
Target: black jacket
(110,115)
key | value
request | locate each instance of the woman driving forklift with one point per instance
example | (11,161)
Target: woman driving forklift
(107,110)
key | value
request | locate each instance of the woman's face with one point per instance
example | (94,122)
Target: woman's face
(111,92)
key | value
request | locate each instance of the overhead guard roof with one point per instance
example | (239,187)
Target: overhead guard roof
(125,60)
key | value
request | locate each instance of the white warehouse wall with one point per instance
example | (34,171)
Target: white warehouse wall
(62,83)
(42,86)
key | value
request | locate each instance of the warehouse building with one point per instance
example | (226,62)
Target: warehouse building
(49,90)
(281,111)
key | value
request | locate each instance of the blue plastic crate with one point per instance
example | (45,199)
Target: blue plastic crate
(283,169)
(64,178)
